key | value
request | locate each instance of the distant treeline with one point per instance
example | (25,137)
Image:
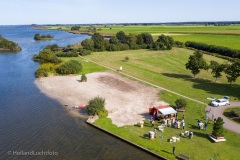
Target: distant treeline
(121,41)
(216,23)
(214,49)
(7,45)
(42,37)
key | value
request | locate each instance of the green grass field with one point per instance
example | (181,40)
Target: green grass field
(227,36)
(198,148)
(231,41)
(167,69)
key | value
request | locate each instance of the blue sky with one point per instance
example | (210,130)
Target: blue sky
(116,11)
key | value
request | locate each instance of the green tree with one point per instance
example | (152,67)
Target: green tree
(37,36)
(114,40)
(139,39)
(217,69)
(195,63)
(98,40)
(147,38)
(131,39)
(165,42)
(233,71)
(121,36)
(181,103)
(218,129)
(88,44)
(96,106)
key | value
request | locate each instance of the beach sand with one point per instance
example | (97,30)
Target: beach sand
(127,101)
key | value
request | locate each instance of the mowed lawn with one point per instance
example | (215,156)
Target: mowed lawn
(167,69)
(200,147)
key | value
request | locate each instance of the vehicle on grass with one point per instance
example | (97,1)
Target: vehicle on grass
(220,102)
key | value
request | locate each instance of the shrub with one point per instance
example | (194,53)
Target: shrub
(181,103)
(67,54)
(126,58)
(83,78)
(236,112)
(96,106)
(84,52)
(40,72)
(70,67)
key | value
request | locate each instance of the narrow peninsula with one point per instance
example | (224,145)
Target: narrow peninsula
(6,45)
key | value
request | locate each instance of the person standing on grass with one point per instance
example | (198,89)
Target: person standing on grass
(183,116)
(173,150)
(183,125)
(205,126)
(153,123)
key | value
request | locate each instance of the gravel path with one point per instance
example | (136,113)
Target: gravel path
(218,112)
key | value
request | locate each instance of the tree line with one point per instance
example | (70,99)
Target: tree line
(214,49)
(196,62)
(121,41)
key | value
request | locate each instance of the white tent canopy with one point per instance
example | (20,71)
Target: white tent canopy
(166,111)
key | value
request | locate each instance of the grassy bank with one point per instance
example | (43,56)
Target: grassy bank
(200,147)
(167,69)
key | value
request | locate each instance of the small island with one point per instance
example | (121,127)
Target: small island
(38,37)
(6,45)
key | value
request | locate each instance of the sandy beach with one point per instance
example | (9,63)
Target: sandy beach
(127,101)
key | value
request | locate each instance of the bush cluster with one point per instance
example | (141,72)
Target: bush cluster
(67,54)
(70,67)
(39,37)
(96,106)
(84,52)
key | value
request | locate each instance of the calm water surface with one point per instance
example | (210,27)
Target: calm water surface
(30,121)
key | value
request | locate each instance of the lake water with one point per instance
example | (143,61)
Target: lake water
(31,122)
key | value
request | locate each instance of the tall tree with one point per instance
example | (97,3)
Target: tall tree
(113,40)
(196,63)
(121,36)
(217,69)
(98,40)
(88,44)
(233,71)
(218,129)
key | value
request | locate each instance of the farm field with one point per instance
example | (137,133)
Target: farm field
(167,69)
(227,36)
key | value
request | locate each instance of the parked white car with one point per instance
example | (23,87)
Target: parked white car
(220,102)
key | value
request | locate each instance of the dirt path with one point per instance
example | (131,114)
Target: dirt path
(218,112)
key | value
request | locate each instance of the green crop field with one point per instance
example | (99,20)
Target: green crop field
(231,41)
(167,69)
